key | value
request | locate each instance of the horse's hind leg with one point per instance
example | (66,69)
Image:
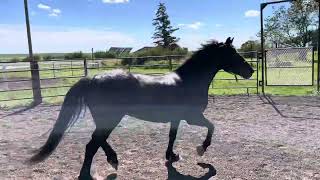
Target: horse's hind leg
(199,120)
(111,155)
(91,149)
(104,127)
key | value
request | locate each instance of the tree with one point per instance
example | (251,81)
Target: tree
(163,30)
(250,46)
(293,25)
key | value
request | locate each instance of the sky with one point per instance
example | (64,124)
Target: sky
(79,25)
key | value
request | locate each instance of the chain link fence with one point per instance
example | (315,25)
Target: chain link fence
(290,67)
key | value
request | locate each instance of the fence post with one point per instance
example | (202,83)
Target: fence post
(257,71)
(35,76)
(71,68)
(318,72)
(53,70)
(130,62)
(4,76)
(85,66)
(170,63)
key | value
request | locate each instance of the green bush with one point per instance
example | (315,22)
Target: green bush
(75,55)
(160,51)
(126,61)
(157,51)
(47,57)
(102,54)
(35,57)
(15,59)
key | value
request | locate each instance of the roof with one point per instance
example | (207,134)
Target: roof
(120,50)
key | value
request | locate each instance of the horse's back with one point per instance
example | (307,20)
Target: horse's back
(119,88)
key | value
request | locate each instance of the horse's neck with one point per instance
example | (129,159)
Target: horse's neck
(197,75)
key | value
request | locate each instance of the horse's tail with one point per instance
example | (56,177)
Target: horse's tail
(212,171)
(72,107)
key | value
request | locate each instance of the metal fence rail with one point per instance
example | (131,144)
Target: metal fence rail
(58,75)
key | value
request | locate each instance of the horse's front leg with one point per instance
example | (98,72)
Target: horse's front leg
(170,155)
(199,120)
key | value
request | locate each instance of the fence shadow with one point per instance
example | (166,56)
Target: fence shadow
(289,101)
(24,109)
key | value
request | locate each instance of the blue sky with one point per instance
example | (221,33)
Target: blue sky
(65,25)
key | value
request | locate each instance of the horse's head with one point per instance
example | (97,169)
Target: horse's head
(231,61)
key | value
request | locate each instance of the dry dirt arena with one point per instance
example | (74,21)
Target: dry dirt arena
(255,138)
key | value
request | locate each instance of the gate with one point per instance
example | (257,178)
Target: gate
(289,66)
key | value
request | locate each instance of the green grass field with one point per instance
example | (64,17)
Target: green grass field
(221,87)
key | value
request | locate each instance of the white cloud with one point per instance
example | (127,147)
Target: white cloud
(218,25)
(56,11)
(115,1)
(252,13)
(53,14)
(195,25)
(62,39)
(44,7)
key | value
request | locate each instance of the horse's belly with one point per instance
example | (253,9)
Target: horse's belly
(157,113)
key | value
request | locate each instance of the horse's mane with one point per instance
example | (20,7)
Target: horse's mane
(209,46)
(204,49)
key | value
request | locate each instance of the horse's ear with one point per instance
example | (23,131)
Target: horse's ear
(229,41)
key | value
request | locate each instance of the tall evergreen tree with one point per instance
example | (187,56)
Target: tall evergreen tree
(163,30)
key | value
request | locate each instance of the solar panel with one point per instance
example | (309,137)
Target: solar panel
(120,50)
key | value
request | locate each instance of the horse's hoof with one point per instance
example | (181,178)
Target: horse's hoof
(85,177)
(112,176)
(200,150)
(173,158)
(114,163)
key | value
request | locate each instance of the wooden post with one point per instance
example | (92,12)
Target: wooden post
(53,70)
(92,56)
(170,63)
(85,65)
(36,87)
(318,73)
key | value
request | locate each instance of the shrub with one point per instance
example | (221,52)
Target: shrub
(126,61)
(102,54)
(47,57)
(36,57)
(160,51)
(75,55)
(157,51)
(15,59)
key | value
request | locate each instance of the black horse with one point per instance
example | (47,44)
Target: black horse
(179,95)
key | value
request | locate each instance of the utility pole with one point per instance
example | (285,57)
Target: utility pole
(36,88)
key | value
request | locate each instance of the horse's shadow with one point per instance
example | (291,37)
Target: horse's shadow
(173,174)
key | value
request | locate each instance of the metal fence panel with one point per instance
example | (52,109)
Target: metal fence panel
(289,67)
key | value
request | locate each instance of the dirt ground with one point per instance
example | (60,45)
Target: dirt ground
(255,138)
